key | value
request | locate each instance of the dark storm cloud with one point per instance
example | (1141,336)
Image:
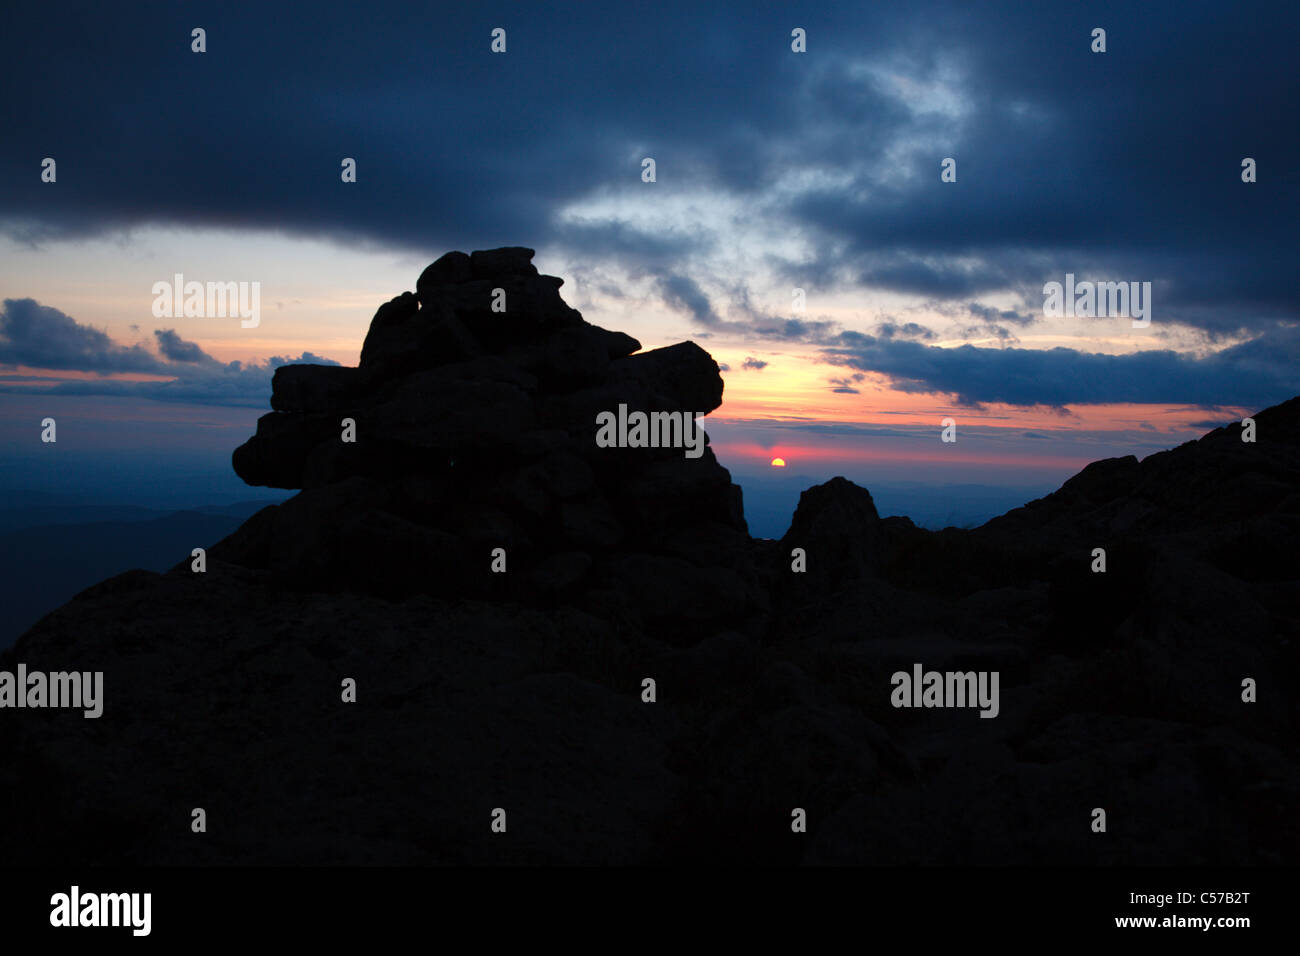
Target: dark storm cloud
(455,146)
(1124,165)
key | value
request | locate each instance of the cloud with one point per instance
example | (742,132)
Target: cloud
(795,330)
(753,364)
(844,384)
(906,330)
(817,170)
(684,294)
(1256,373)
(307,358)
(176,349)
(991,316)
(42,337)
(990,330)
(839,148)
(38,336)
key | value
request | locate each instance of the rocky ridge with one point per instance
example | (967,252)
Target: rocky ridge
(524,690)
(475,430)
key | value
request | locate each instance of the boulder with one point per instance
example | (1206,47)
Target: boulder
(478,425)
(837,525)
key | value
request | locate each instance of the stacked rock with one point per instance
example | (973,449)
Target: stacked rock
(470,426)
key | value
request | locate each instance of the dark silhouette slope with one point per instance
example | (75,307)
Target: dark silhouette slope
(524,690)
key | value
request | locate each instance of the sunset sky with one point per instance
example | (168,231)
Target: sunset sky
(775,171)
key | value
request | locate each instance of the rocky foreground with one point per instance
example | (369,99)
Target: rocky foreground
(522,689)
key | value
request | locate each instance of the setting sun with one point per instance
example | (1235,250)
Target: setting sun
(778,462)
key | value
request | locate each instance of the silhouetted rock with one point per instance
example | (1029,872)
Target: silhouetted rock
(495,413)
(452,268)
(314,388)
(838,523)
(511,260)
(630,577)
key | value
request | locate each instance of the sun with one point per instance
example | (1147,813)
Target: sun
(778,462)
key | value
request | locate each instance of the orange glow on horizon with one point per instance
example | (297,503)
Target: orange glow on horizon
(853,452)
(796,388)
